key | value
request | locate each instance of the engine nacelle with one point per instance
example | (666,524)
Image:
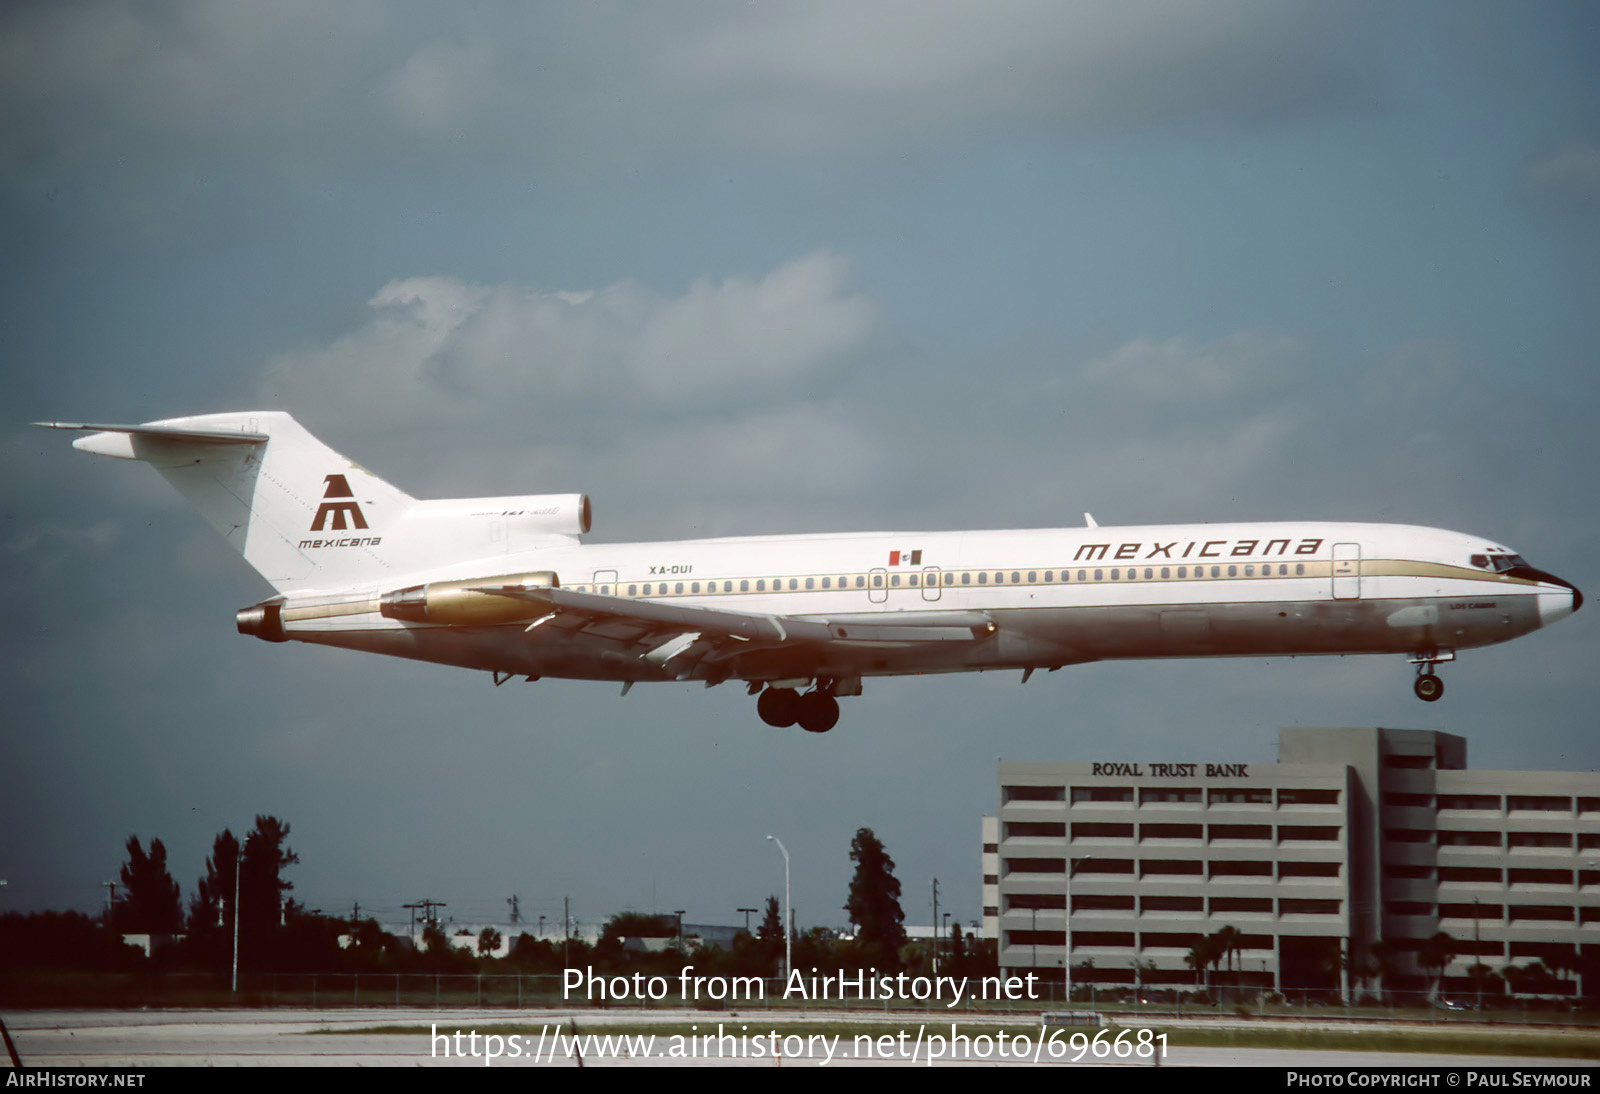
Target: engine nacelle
(264,621)
(472,601)
(528,515)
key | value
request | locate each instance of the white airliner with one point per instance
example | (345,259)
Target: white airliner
(505,585)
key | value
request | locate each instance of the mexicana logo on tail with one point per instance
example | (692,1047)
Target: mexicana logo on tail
(337,488)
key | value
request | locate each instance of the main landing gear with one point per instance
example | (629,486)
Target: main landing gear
(1428,685)
(817,710)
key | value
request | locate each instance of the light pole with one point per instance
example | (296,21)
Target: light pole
(746,912)
(1066,924)
(787,907)
(680,913)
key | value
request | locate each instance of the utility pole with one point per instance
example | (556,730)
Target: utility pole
(566,929)
(935,927)
(746,912)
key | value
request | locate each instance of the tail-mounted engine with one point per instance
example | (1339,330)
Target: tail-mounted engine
(474,601)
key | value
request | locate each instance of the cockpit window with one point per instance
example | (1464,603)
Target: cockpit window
(1498,563)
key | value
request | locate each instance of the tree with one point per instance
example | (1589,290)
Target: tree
(153,904)
(874,905)
(770,934)
(489,941)
(211,908)
(1435,954)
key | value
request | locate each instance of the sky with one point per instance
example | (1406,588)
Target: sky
(738,269)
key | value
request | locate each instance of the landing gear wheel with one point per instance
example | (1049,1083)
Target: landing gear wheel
(779,707)
(819,712)
(1428,687)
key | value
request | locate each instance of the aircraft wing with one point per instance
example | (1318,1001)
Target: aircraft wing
(712,643)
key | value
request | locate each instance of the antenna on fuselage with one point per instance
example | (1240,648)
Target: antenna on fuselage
(1088,518)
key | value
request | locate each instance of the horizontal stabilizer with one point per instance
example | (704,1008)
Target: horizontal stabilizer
(171,433)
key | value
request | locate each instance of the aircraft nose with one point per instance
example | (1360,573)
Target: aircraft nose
(1553,605)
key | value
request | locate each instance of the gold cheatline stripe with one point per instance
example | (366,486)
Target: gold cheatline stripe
(1314,569)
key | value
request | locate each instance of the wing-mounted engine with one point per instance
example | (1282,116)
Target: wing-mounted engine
(479,601)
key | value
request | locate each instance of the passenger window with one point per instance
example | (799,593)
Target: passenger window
(633,590)
(811,583)
(1050,576)
(861,582)
(1249,571)
(912,580)
(695,587)
(1081,574)
(1016,577)
(744,585)
(1233,571)
(1116,575)
(1299,569)
(983,578)
(1099,575)
(794,583)
(1148,573)
(679,589)
(966,579)
(895,580)
(761,585)
(1033,577)
(877,581)
(1216,571)
(1166,572)
(949,579)
(826,581)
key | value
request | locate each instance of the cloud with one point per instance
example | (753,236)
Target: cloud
(585,88)
(441,84)
(441,348)
(1183,369)
(1570,174)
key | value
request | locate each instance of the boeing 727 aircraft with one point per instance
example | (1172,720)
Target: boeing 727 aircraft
(505,585)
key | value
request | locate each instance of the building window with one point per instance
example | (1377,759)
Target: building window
(1308,907)
(1529,803)
(1470,801)
(1241,832)
(1102,794)
(1409,801)
(1230,796)
(1549,840)
(1035,829)
(1469,839)
(1170,904)
(1035,793)
(1169,831)
(1475,875)
(1032,901)
(1241,869)
(1161,795)
(1407,835)
(1156,867)
(1221,905)
(1287,832)
(1309,869)
(1475,910)
(1035,865)
(1308,797)
(1101,830)
(1094,903)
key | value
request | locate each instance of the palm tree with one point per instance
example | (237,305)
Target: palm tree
(1385,959)
(1226,943)
(1201,957)
(1435,954)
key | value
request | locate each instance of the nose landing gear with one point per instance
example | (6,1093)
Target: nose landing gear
(1428,686)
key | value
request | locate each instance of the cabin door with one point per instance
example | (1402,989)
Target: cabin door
(1346,571)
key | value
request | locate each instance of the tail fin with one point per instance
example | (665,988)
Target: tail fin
(300,513)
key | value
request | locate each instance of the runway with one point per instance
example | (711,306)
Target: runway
(291,1038)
